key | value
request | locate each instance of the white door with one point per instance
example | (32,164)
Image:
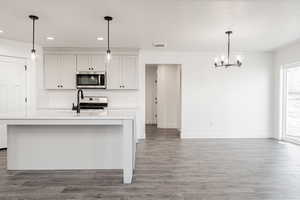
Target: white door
(114,73)
(151,94)
(67,71)
(129,72)
(168,94)
(12,90)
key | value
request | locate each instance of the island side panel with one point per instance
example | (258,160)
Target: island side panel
(128,150)
(54,147)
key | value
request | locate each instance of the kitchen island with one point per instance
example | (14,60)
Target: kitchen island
(65,140)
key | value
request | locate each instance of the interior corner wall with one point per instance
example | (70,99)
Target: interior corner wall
(286,55)
(219,103)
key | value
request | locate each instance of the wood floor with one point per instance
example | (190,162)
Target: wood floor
(170,168)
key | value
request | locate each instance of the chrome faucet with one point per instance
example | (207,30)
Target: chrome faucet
(79,92)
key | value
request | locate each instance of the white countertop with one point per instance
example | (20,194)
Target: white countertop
(72,115)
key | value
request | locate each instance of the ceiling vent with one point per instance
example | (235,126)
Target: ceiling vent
(159,45)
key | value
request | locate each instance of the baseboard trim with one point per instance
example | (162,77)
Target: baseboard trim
(202,134)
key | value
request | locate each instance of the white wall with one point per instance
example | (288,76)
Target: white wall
(223,103)
(168,93)
(288,54)
(151,93)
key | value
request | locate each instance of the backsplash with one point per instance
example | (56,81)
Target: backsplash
(48,99)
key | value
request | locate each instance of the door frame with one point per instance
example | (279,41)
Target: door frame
(284,103)
(144,89)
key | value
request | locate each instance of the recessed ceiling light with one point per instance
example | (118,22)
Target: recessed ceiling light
(1,31)
(100,38)
(159,44)
(50,38)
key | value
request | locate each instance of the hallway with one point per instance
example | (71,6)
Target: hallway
(154,133)
(168,168)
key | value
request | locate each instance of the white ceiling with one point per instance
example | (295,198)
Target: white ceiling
(185,25)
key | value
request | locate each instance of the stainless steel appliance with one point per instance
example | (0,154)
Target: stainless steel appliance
(91,80)
(92,102)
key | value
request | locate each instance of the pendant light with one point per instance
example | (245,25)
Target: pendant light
(33,52)
(108,52)
(225,62)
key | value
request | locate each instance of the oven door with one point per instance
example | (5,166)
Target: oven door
(90,80)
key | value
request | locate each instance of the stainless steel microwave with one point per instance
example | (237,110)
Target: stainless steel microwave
(91,80)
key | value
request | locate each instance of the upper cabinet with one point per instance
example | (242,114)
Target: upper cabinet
(60,71)
(90,63)
(122,73)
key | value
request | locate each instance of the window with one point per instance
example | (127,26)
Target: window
(291,101)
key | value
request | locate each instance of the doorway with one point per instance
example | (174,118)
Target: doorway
(163,99)
(291,103)
(13,88)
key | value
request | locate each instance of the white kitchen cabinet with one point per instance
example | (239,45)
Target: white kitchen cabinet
(122,73)
(129,72)
(68,72)
(60,71)
(91,63)
(83,63)
(114,73)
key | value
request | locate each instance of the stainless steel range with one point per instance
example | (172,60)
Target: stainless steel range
(92,102)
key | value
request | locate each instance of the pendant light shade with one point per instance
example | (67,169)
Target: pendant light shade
(225,61)
(108,52)
(33,51)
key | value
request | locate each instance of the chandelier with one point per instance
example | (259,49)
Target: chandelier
(225,61)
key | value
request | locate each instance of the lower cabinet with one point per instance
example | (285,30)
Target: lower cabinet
(122,73)
(60,71)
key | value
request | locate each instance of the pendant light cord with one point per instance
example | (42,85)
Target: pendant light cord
(33,31)
(108,35)
(108,19)
(228,48)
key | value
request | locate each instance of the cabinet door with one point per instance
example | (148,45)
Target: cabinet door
(68,71)
(129,72)
(83,63)
(98,62)
(51,71)
(114,73)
